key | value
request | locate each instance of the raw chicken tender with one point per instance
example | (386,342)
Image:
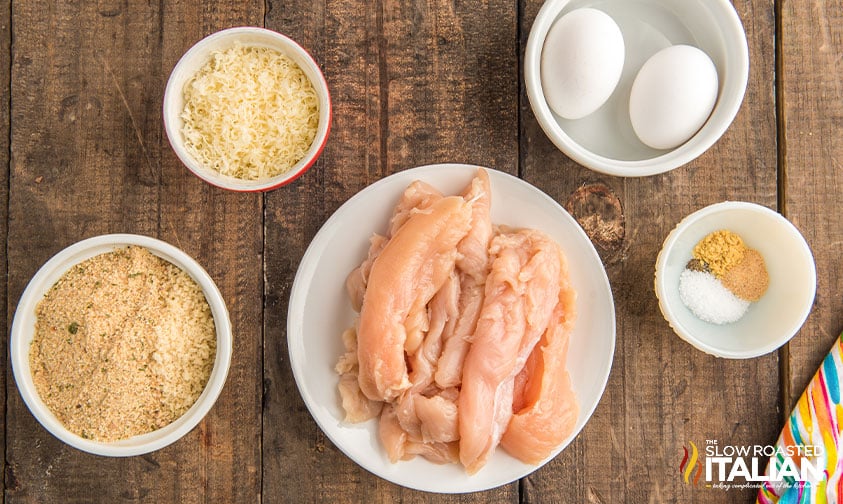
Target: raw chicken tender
(443,311)
(418,197)
(400,445)
(462,335)
(521,292)
(473,266)
(545,407)
(355,283)
(358,407)
(412,266)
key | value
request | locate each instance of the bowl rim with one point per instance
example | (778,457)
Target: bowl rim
(320,84)
(661,287)
(732,28)
(21,337)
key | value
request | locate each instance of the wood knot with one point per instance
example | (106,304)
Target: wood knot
(599,212)
(11,481)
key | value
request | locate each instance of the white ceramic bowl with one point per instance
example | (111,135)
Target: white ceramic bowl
(771,321)
(197,56)
(23,328)
(605,141)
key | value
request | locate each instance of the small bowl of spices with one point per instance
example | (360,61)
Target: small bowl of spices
(247,109)
(735,280)
(120,345)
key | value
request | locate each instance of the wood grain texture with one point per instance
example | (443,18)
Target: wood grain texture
(5,90)
(662,392)
(412,83)
(812,116)
(89,157)
(220,460)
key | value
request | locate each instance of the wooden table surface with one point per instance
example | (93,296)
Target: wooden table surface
(412,83)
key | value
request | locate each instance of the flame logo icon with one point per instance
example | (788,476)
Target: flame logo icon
(686,467)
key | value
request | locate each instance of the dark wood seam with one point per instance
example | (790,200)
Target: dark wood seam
(781,189)
(262,326)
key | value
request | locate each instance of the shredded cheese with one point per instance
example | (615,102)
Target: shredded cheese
(250,113)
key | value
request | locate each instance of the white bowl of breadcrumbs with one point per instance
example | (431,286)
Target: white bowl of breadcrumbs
(120,345)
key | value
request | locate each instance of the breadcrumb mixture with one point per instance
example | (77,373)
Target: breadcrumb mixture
(124,345)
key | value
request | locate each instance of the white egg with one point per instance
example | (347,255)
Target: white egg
(672,96)
(581,62)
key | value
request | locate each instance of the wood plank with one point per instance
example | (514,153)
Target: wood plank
(811,111)
(413,83)
(224,230)
(663,393)
(5,91)
(90,157)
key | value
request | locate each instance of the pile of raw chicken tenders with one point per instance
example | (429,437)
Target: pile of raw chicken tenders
(462,337)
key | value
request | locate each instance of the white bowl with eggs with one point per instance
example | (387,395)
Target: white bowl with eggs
(769,322)
(23,333)
(661,110)
(194,60)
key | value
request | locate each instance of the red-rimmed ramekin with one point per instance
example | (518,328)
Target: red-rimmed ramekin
(196,57)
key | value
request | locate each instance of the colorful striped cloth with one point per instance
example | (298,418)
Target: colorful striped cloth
(814,423)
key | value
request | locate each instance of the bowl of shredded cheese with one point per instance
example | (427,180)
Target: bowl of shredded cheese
(120,345)
(247,109)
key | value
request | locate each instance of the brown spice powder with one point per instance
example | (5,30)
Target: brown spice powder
(720,250)
(748,279)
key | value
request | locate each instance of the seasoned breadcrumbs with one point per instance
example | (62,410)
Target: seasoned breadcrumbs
(124,345)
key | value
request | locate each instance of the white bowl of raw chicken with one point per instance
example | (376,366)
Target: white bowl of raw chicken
(319,312)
